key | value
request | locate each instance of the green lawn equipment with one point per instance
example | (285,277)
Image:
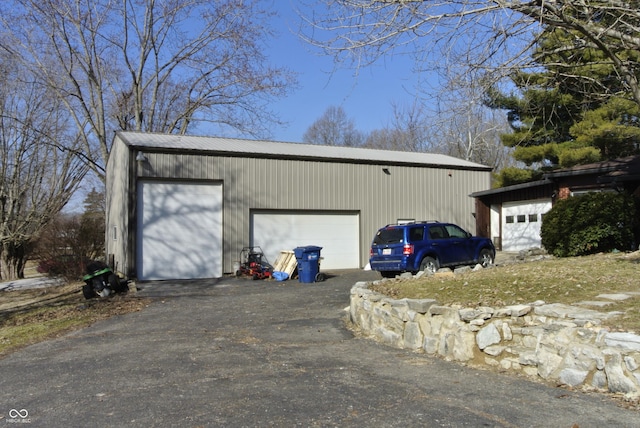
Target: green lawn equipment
(101,281)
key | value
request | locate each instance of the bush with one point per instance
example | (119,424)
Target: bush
(66,265)
(590,223)
(71,240)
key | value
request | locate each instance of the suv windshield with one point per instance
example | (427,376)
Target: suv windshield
(388,236)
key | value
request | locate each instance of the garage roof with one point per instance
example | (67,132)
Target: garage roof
(272,149)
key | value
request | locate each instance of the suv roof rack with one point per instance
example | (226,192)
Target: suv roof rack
(400,223)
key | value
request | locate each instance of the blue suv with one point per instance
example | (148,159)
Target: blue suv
(427,246)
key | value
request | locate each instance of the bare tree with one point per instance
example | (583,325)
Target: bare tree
(386,139)
(148,65)
(333,128)
(464,126)
(409,130)
(487,34)
(39,165)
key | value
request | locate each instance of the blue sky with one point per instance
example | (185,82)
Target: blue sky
(366,97)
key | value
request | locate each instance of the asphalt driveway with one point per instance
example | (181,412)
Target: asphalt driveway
(237,352)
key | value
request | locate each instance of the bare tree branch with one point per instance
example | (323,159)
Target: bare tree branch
(39,166)
(149,65)
(493,35)
(333,128)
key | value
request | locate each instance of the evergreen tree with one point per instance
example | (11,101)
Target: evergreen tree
(92,226)
(574,111)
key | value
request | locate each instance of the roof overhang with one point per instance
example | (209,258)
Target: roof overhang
(230,147)
(514,187)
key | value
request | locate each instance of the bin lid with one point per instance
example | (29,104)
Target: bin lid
(299,251)
(307,248)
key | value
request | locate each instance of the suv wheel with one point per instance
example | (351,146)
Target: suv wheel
(429,264)
(485,258)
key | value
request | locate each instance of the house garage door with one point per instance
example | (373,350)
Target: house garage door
(336,233)
(179,230)
(521,223)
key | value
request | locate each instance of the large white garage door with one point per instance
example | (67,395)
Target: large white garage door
(337,234)
(521,223)
(179,230)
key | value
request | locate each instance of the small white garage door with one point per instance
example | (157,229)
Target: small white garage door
(179,230)
(521,223)
(336,233)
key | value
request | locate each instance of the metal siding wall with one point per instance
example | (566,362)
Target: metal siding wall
(117,199)
(263,184)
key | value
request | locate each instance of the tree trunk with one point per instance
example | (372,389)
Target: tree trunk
(12,261)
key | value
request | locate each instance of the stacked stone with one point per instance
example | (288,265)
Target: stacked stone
(560,343)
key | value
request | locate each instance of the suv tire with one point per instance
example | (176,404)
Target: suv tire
(429,264)
(485,258)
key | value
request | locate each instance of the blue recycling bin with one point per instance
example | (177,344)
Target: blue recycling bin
(308,259)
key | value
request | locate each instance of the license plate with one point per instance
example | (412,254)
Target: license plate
(386,251)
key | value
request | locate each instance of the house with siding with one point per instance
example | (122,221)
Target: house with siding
(512,215)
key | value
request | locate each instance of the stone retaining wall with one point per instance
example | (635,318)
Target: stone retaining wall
(560,343)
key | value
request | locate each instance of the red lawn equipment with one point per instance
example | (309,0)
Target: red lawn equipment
(253,263)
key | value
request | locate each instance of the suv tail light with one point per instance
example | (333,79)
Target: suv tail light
(407,250)
(370,251)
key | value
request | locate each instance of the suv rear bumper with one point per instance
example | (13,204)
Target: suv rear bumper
(389,265)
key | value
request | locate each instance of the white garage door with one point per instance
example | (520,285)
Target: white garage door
(179,230)
(337,234)
(521,223)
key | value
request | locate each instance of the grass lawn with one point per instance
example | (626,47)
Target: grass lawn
(33,315)
(552,280)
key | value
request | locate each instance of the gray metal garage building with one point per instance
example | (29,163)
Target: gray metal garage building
(183,207)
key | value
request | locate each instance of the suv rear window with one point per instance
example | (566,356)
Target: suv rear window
(389,236)
(437,232)
(416,234)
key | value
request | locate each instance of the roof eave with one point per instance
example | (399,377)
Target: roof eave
(511,188)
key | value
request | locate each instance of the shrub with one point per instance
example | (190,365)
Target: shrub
(70,240)
(590,223)
(66,265)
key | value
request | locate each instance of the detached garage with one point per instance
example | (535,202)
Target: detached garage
(182,207)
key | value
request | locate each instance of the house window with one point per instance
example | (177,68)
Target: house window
(533,218)
(509,219)
(522,218)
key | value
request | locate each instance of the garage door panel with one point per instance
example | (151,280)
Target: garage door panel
(174,261)
(180,230)
(337,234)
(521,224)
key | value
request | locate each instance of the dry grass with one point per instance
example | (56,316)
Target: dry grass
(34,315)
(553,280)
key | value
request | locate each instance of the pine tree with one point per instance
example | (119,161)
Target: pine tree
(574,111)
